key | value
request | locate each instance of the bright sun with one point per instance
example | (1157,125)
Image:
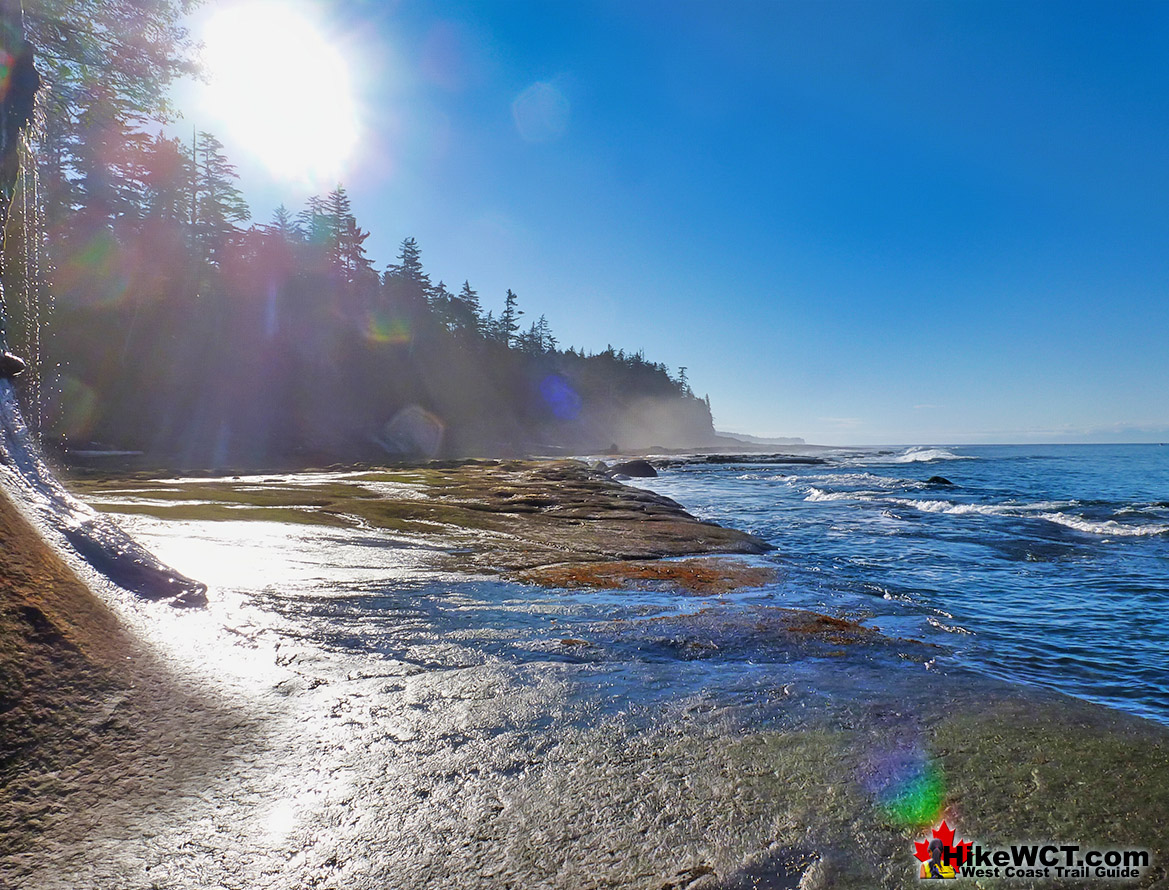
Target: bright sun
(281,88)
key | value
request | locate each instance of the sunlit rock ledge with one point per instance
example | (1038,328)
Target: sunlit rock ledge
(479,515)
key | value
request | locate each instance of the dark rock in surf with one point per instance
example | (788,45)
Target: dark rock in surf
(938,480)
(11,365)
(636,469)
(130,565)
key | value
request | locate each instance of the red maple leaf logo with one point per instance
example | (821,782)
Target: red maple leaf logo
(945,834)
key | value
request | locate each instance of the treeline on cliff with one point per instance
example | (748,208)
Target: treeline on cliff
(179,328)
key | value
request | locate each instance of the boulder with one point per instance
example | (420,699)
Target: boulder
(637,469)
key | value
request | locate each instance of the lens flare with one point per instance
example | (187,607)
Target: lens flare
(381,328)
(413,431)
(75,410)
(919,799)
(541,113)
(906,781)
(560,397)
(96,273)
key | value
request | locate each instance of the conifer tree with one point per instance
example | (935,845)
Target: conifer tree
(465,309)
(492,329)
(313,221)
(442,305)
(339,212)
(106,157)
(547,342)
(105,69)
(509,319)
(346,239)
(405,280)
(538,339)
(168,181)
(218,203)
(284,226)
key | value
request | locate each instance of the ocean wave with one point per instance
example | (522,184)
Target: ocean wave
(956,509)
(1156,509)
(821,480)
(941,506)
(948,628)
(1046,510)
(1107,527)
(921,454)
(870,479)
(819,494)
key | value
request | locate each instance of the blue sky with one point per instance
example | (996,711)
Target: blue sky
(860,223)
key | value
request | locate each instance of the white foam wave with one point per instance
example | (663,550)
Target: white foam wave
(955,509)
(870,479)
(1142,510)
(1108,527)
(1040,510)
(1045,505)
(920,454)
(819,494)
(948,628)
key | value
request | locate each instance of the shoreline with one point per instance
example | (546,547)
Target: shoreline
(1017,765)
(498,517)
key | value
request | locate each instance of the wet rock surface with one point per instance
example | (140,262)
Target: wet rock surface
(710,575)
(353,714)
(635,469)
(495,516)
(91,721)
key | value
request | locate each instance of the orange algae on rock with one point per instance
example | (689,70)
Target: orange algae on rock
(704,576)
(841,631)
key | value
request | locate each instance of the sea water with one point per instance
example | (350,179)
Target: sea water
(1042,565)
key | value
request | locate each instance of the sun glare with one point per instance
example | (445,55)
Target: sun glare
(281,88)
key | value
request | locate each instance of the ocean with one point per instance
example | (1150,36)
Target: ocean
(1039,565)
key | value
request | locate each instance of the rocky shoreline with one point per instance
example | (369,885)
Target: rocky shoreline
(101,739)
(499,517)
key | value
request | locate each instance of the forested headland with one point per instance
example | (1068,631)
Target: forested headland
(161,318)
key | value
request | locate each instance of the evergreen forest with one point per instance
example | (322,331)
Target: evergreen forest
(160,318)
